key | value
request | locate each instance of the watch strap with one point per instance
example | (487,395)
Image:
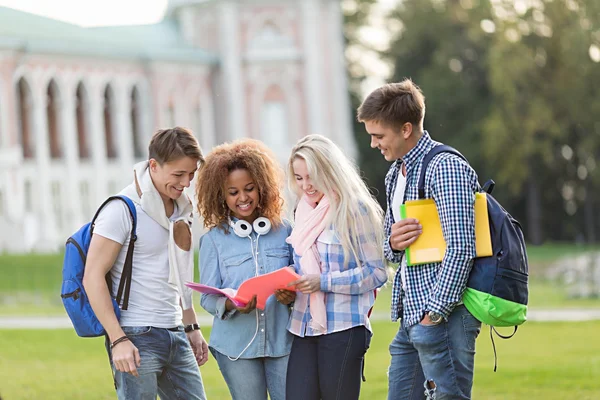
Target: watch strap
(192,327)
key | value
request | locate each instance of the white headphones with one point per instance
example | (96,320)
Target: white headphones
(243,229)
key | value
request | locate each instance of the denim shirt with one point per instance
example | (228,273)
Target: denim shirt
(225,261)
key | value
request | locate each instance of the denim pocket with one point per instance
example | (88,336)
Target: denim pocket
(472,327)
(238,268)
(277,258)
(429,336)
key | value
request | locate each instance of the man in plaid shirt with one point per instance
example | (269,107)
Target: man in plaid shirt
(433,352)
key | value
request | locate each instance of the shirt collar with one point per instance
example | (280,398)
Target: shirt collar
(416,154)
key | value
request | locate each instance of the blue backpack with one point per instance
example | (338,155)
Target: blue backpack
(73,295)
(497,290)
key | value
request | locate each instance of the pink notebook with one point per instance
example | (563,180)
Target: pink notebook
(263,286)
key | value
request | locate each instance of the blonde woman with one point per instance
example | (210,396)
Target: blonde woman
(337,241)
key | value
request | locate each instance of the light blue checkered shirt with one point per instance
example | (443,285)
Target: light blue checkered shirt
(452,183)
(349,289)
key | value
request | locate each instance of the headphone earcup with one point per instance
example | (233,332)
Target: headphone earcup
(262,225)
(242,228)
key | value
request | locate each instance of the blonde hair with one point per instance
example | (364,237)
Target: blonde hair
(352,205)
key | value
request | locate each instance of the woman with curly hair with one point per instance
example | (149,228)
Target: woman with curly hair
(338,245)
(239,197)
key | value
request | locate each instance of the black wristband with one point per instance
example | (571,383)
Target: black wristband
(119,340)
(193,327)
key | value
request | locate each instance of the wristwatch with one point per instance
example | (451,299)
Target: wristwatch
(435,318)
(193,327)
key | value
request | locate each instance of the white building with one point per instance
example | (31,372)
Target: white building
(78,105)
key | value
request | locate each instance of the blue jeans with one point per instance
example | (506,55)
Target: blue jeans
(327,367)
(167,367)
(251,378)
(443,354)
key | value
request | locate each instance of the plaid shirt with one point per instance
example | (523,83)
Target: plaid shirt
(452,183)
(349,289)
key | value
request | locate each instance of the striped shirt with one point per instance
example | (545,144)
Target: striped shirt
(452,183)
(349,289)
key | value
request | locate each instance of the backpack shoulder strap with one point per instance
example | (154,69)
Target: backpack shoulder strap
(125,283)
(427,159)
(130,207)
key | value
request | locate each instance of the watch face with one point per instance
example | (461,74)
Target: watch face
(435,317)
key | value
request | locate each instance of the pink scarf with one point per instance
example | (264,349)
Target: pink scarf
(309,224)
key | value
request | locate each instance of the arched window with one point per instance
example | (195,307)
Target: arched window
(82,121)
(111,150)
(136,123)
(24,109)
(52,110)
(274,121)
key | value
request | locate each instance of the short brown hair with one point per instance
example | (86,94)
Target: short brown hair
(394,105)
(252,156)
(172,144)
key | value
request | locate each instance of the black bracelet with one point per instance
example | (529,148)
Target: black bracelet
(192,327)
(119,340)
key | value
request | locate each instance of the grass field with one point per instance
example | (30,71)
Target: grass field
(546,361)
(30,284)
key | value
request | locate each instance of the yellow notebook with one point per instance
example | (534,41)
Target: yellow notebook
(430,247)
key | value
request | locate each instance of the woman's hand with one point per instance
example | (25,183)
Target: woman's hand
(308,283)
(248,308)
(285,296)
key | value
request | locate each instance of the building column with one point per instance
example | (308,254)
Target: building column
(122,117)
(99,186)
(342,132)
(232,79)
(68,116)
(208,135)
(42,186)
(5,95)
(313,71)
(11,188)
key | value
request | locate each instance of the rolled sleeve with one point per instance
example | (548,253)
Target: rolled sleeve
(454,194)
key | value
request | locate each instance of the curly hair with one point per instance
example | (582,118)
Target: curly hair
(260,162)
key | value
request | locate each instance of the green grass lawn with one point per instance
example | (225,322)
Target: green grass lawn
(30,284)
(543,361)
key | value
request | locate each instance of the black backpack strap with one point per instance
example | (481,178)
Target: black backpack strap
(125,283)
(427,159)
(492,331)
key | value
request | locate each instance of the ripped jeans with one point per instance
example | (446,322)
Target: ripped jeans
(443,354)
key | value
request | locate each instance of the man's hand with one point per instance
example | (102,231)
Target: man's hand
(199,346)
(126,357)
(251,306)
(404,233)
(285,296)
(308,283)
(426,320)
